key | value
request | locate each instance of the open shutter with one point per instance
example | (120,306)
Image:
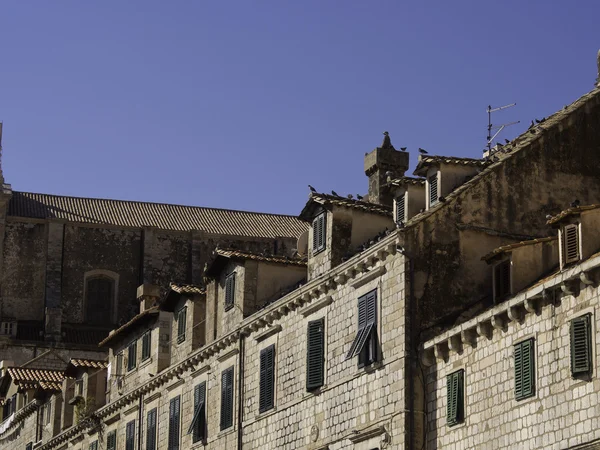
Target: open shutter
(198,425)
(581,346)
(267,378)
(315,354)
(571,243)
(524,369)
(322,231)
(227,398)
(362,325)
(181,324)
(229,290)
(174,405)
(433,189)
(400,203)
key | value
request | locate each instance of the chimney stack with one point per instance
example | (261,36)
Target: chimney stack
(381,163)
(148,295)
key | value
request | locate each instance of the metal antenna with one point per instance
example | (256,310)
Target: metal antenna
(491,127)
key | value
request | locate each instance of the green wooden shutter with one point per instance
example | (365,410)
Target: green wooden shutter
(132,355)
(146,346)
(581,345)
(174,408)
(29,446)
(315,354)
(229,291)
(198,425)
(455,398)
(111,440)
(524,369)
(181,324)
(267,379)
(362,325)
(151,430)
(93,445)
(130,435)
(227,398)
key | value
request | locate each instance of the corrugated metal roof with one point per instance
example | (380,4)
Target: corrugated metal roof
(159,215)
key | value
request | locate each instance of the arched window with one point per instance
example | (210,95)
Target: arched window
(100,296)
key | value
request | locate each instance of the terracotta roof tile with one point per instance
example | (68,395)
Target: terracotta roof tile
(89,363)
(402,181)
(138,319)
(50,386)
(275,259)
(571,211)
(24,375)
(427,160)
(159,215)
(187,288)
(327,199)
(509,247)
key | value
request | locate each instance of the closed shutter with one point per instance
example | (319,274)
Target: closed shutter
(227,398)
(524,370)
(455,398)
(433,189)
(146,346)
(315,229)
(400,209)
(181,324)
(111,440)
(581,345)
(151,430)
(319,234)
(267,379)
(229,291)
(502,279)
(130,436)
(132,355)
(174,406)
(571,243)
(94,445)
(198,425)
(315,354)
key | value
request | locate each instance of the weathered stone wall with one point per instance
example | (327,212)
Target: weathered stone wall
(562,413)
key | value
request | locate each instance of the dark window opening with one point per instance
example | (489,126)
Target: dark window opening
(99,301)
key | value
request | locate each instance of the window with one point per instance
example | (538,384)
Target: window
(130,435)
(319,233)
(502,286)
(13,403)
(174,406)
(79,387)
(315,354)
(111,440)
(365,341)
(433,189)
(267,379)
(229,291)
(29,446)
(581,345)
(571,243)
(94,445)
(119,373)
(400,203)
(132,356)
(146,340)
(198,425)
(7,328)
(48,411)
(524,370)
(181,323)
(455,398)
(99,299)
(227,398)
(151,430)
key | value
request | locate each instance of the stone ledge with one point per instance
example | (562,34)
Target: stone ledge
(266,333)
(314,307)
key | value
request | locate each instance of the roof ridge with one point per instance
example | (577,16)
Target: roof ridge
(158,203)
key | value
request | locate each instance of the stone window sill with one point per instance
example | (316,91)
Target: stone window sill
(267,413)
(226,432)
(145,362)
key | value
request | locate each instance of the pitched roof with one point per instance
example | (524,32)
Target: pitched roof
(326,199)
(428,160)
(139,319)
(173,295)
(159,215)
(33,378)
(222,255)
(187,288)
(402,181)
(510,247)
(571,211)
(75,364)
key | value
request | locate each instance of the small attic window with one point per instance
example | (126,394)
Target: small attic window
(400,203)
(318,228)
(502,282)
(570,243)
(432,181)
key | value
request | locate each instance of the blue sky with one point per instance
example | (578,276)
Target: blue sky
(242,104)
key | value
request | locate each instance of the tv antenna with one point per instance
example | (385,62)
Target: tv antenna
(491,127)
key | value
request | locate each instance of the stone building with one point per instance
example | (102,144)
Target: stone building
(451,310)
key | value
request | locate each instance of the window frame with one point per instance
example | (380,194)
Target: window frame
(113,278)
(565,244)
(181,324)
(174,430)
(519,370)
(198,424)
(146,345)
(315,354)
(132,356)
(365,344)
(455,387)
(586,335)
(227,398)
(319,230)
(230,284)
(94,445)
(130,435)
(433,200)
(266,394)
(401,199)
(151,429)
(111,440)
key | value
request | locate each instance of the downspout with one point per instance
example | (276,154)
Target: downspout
(240,390)
(411,356)
(140,417)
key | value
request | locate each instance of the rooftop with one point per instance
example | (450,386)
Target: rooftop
(223,254)
(571,211)
(139,319)
(508,248)
(163,216)
(327,199)
(427,160)
(33,378)
(403,181)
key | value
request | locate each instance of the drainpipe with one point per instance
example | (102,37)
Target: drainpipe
(140,417)
(240,388)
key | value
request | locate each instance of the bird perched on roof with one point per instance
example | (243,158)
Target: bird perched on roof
(349,196)
(507,141)
(312,189)
(422,151)
(387,142)
(358,196)
(532,125)
(441,199)
(575,203)
(335,193)
(403,149)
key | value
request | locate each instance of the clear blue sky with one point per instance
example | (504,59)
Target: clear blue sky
(242,104)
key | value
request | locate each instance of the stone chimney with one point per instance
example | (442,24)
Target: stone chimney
(148,295)
(382,162)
